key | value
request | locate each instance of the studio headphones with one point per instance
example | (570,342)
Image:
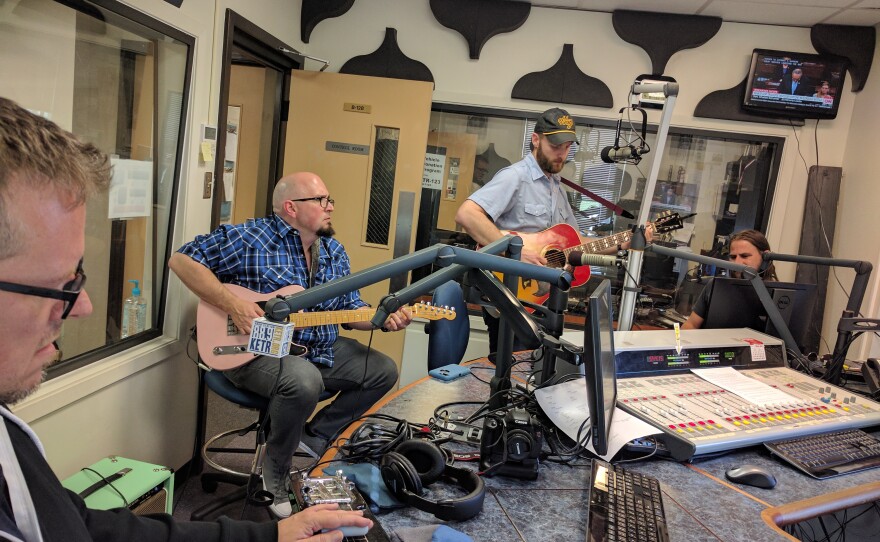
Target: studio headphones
(415,464)
(627,153)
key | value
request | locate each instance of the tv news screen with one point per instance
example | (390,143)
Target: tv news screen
(799,85)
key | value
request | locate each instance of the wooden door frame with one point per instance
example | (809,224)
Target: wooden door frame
(270,52)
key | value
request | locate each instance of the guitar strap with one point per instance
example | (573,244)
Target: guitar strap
(316,255)
(596,197)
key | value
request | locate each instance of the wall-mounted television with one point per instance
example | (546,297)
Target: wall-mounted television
(799,85)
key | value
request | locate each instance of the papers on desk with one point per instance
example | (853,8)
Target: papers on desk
(745,387)
(566,406)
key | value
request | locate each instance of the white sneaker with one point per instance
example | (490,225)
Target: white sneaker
(281,508)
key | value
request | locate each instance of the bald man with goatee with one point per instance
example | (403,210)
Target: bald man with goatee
(293,246)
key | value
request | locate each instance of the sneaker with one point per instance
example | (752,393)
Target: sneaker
(313,446)
(275,480)
(281,510)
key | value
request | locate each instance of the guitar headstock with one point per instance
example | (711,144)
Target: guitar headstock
(432,312)
(668,221)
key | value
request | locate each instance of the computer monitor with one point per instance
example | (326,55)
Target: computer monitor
(735,303)
(599,368)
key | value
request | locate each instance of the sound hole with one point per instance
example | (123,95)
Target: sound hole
(555,258)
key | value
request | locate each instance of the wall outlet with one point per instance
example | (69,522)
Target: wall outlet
(209,177)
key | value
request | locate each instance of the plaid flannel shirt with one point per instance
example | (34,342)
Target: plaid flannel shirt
(266,254)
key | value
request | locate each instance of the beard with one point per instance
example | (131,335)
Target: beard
(545,164)
(13,396)
(326,231)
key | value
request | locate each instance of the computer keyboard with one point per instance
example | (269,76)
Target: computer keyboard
(624,506)
(830,454)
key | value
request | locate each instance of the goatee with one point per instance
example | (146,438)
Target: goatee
(327,231)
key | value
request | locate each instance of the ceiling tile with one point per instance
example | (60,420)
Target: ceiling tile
(803,13)
(764,13)
(689,7)
(831,4)
(855,17)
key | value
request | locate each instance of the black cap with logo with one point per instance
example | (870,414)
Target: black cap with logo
(557,125)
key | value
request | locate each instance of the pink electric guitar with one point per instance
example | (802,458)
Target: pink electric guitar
(557,242)
(222,346)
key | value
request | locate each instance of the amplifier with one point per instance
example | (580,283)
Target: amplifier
(115,482)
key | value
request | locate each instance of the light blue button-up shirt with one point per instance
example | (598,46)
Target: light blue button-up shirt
(522,198)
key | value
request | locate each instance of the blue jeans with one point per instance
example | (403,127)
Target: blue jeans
(360,376)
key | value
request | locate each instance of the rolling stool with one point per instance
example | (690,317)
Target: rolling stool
(222,386)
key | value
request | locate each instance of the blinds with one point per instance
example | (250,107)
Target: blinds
(586,168)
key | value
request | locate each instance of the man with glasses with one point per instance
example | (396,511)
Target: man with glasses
(293,246)
(46,176)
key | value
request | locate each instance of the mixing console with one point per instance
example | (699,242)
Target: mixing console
(698,417)
(695,417)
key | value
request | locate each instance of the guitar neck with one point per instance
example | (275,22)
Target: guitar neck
(602,245)
(309,319)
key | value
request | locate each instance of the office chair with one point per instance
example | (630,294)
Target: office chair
(448,339)
(217,382)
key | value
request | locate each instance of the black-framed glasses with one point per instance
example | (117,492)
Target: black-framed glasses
(68,293)
(323,201)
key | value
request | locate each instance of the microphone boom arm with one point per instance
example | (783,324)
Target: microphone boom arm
(749,273)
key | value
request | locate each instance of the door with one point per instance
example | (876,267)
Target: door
(366,138)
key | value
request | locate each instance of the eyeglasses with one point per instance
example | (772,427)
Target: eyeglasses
(69,293)
(323,201)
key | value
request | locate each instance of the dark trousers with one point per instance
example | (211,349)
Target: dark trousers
(359,375)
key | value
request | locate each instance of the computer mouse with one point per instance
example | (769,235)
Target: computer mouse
(751,475)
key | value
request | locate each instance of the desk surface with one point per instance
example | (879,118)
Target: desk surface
(699,502)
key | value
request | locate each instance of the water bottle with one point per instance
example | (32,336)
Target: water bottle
(134,312)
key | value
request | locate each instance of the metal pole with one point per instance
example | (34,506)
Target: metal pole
(634,267)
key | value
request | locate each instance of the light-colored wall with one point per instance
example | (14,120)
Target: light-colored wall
(856,232)
(146,397)
(246,89)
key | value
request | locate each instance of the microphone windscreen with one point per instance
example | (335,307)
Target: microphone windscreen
(576,257)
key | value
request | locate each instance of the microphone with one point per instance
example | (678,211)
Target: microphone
(270,338)
(577,257)
(610,154)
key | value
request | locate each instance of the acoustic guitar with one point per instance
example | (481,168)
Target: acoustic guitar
(557,242)
(223,346)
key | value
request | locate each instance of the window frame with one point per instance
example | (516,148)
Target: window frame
(427,232)
(157,330)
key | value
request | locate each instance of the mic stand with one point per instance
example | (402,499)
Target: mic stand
(633,271)
(552,319)
(279,308)
(500,382)
(848,322)
(747,272)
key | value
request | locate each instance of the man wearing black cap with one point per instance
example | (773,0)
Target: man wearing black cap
(526,196)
